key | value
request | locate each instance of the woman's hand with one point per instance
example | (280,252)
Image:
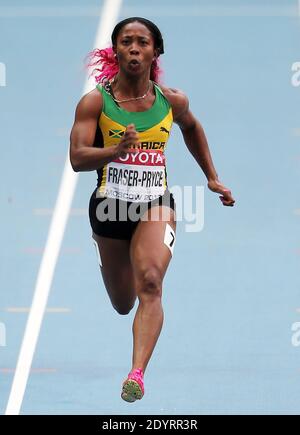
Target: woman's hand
(226,197)
(129,142)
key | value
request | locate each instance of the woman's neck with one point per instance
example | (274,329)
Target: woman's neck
(130,87)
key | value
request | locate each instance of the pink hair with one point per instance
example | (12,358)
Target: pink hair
(107,65)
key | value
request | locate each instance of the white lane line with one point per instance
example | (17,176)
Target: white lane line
(27,309)
(109,16)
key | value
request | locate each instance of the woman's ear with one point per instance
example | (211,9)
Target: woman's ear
(156,54)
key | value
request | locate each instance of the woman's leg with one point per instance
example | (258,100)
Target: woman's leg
(117,272)
(150,257)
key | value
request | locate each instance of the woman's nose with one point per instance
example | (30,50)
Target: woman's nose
(134,49)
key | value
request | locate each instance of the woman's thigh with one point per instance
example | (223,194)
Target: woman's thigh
(153,242)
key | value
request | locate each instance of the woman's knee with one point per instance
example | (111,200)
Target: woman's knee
(122,297)
(123,309)
(149,283)
(121,292)
(122,301)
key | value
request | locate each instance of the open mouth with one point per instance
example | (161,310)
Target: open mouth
(134,62)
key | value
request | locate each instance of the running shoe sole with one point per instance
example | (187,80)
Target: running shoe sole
(131,391)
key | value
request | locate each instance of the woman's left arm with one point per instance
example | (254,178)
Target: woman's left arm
(196,142)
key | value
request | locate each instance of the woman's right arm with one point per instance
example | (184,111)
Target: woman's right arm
(83,156)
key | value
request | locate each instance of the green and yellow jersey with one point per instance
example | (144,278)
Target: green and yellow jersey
(140,176)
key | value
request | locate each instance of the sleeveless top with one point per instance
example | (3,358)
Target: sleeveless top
(139,176)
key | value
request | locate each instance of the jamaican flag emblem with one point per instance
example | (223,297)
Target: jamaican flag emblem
(116,133)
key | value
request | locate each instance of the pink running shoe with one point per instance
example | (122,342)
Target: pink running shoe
(133,386)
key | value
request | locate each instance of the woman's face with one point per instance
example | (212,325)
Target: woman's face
(135,48)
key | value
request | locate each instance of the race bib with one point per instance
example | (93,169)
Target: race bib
(137,177)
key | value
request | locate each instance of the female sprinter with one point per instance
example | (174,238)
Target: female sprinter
(121,129)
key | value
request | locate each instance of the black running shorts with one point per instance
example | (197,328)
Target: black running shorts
(118,219)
